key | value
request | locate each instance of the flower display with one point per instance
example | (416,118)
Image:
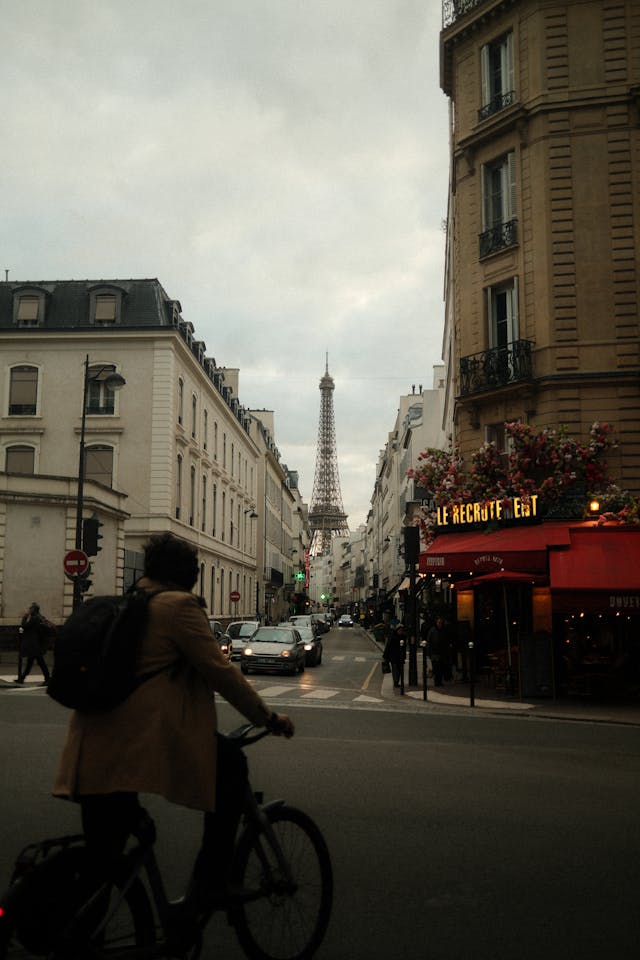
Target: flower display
(560,470)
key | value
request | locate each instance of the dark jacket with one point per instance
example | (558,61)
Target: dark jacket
(393,651)
(35,635)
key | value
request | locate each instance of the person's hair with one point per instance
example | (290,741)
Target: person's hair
(169,559)
(34,608)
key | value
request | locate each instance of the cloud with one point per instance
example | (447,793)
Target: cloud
(283,175)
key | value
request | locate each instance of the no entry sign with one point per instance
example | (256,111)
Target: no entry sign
(75,563)
(234,596)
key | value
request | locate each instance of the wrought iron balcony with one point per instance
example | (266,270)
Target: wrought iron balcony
(499,237)
(500,102)
(496,368)
(452,10)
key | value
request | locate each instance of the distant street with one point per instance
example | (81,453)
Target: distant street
(453,837)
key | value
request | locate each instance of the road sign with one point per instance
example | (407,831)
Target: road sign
(76,563)
(234,596)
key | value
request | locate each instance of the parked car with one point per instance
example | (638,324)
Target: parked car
(278,649)
(345,620)
(312,646)
(238,633)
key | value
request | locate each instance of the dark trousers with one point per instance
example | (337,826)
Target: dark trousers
(39,659)
(109,818)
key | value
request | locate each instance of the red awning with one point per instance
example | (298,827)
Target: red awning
(599,558)
(502,576)
(522,549)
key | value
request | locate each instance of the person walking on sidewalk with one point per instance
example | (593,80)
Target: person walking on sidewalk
(35,632)
(394,652)
(438,650)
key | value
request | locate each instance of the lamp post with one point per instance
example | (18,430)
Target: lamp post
(112,381)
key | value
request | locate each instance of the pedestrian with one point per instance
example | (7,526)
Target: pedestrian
(438,650)
(35,633)
(162,739)
(394,652)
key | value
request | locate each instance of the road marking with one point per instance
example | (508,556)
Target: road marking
(338,658)
(365,685)
(274,691)
(364,699)
(319,694)
(360,659)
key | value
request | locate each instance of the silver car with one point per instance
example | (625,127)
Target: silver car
(279,649)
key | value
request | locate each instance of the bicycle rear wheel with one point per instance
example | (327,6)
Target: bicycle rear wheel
(30,928)
(274,920)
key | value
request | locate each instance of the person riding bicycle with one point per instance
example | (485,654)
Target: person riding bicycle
(163,738)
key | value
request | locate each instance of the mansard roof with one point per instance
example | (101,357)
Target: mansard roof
(143,302)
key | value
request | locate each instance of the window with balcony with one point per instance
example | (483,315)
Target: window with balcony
(20,459)
(497,76)
(508,359)
(23,391)
(98,464)
(499,225)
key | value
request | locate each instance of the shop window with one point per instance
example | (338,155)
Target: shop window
(98,464)
(20,459)
(23,391)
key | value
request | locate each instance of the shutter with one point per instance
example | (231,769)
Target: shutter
(514,332)
(509,201)
(508,72)
(485,75)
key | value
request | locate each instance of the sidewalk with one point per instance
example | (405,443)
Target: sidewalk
(457,694)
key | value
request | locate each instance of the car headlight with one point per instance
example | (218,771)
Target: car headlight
(247,652)
(308,646)
(285,653)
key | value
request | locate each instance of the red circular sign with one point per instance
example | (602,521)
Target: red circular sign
(75,563)
(234,596)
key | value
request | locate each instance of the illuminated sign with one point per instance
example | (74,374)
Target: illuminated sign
(463,514)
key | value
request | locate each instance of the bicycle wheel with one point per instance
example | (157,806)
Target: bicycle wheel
(31,929)
(274,920)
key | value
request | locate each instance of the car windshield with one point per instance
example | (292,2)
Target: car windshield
(247,629)
(274,636)
(305,633)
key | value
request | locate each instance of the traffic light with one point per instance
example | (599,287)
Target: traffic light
(299,575)
(90,535)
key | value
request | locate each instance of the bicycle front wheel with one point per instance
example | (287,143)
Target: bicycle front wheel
(274,918)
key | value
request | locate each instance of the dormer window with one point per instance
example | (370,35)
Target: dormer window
(28,307)
(105,306)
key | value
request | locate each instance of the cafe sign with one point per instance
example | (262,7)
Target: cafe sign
(465,514)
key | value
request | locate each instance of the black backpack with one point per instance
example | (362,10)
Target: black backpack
(96,652)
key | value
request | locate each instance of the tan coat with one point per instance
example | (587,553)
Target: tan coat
(162,738)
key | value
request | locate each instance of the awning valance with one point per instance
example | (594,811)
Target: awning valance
(522,549)
(598,558)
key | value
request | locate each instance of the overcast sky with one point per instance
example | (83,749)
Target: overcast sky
(279,165)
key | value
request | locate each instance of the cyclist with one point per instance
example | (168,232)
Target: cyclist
(162,739)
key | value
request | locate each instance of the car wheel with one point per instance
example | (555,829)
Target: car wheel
(245,670)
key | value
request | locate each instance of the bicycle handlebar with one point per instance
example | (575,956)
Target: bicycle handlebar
(241,735)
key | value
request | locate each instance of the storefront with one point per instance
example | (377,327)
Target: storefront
(553,607)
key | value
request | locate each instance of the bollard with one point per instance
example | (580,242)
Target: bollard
(423,644)
(402,655)
(472,689)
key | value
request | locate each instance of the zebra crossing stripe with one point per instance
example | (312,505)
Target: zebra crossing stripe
(338,658)
(274,691)
(319,694)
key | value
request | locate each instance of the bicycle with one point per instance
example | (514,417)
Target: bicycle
(279,900)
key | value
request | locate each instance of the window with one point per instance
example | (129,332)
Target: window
(100,398)
(180,399)
(215,440)
(192,495)
(23,391)
(502,314)
(178,486)
(224,450)
(231,522)
(222,591)
(20,459)
(205,429)
(194,414)
(28,311)
(497,74)
(98,464)
(233,454)
(105,310)
(203,512)
(224,513)
(496,433)
(499,227)
(214,508)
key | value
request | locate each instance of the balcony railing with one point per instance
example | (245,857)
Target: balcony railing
(496,368)
(452,10)
(499,237)
(500,102)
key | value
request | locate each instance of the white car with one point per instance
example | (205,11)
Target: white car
(345,620)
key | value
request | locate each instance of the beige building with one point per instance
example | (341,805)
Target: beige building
(544,219)
(171,451)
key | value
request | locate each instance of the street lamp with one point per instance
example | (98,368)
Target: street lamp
(112,381)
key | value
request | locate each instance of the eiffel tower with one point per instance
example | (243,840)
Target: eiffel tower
(327,518)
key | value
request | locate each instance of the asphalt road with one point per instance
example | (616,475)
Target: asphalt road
(469,837)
